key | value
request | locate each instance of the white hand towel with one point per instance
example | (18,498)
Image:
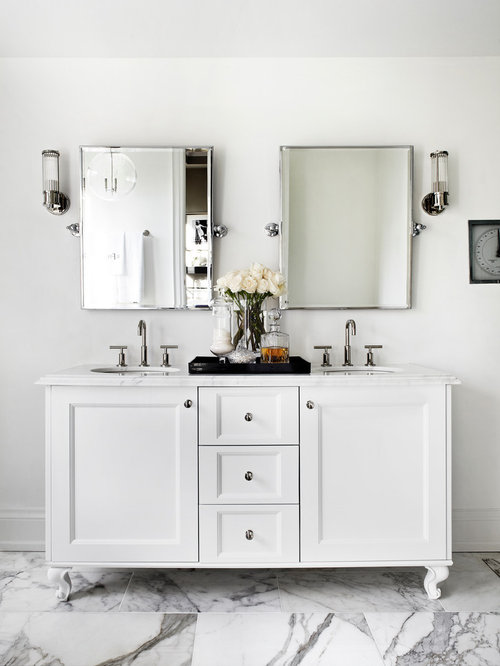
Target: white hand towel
(130,285)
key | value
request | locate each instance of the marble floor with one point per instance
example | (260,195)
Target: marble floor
(271,617)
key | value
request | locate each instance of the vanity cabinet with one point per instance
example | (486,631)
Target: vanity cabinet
(122,474)
(297,471)
(374,474)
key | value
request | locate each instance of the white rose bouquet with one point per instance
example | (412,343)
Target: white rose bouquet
(248,289)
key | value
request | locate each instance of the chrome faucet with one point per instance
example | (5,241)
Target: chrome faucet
(350,327)
(141,330)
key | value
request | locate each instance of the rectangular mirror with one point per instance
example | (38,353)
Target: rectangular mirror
(146,227)
(346,226)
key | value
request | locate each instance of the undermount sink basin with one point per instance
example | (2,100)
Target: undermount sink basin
(361,370)
(135,370)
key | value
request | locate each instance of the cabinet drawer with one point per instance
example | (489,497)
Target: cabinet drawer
(253,415)
(249,474)
(236,533)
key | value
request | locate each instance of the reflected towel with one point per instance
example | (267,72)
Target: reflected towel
(130,285)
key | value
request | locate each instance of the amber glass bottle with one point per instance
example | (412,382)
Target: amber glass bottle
(274,346)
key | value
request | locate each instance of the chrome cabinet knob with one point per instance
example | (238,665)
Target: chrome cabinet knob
(310,404)
(248,476)
(188,404)
(248,416)
(249,535)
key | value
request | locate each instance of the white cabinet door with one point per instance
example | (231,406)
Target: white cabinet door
(373,474)
(237,415)
(122,475)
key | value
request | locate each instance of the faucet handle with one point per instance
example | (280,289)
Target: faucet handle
(369,355)
(165,361)
(326,355)
(121,356)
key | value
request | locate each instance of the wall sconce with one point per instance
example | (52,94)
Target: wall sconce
(434,202)
(54,201)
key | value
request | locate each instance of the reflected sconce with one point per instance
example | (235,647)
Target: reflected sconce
(111,175)
(434,202)
(54,201)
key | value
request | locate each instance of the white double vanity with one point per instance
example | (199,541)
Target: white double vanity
(321,470)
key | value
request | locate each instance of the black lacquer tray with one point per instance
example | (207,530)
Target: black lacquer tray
(211,365)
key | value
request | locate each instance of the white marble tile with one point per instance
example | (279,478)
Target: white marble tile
(11,560)
(471,561)
(471,591)
(493,562)
(88,639)
(322,589)
(217,590)
(24,587)
(421,639)
(282,639)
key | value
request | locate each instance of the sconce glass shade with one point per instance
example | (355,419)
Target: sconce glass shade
(439,170)
(111,175)
(434,202)
(54,201)
(50,170)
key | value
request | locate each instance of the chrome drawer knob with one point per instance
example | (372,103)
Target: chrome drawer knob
(248,476)
(310,404)
(248,416)
(249,535)
(188,403)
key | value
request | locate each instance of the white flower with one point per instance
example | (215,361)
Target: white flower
(222,283)
(257,279)
(234,280)
(249,284)
(263,286)
(279,291)
(256,270)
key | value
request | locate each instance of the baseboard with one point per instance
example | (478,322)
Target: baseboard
(476,530)
(473,529)
(22,529)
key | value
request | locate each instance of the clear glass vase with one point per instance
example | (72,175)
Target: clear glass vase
(249,323)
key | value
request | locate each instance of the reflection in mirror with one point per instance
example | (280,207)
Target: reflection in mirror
(346,226)
(146,227)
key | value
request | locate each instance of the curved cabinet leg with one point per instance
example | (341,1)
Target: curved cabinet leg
(60,576)
(435,575)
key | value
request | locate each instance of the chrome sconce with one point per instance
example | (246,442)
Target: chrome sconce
(54,201)
(434,202)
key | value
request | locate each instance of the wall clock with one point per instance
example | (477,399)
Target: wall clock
(484,251)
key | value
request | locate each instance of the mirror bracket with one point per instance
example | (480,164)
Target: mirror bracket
(219,230)
(417,228)
(272,229)
(74,229)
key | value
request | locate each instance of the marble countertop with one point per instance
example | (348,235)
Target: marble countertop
(403,374)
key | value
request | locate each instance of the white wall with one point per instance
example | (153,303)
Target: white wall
(247,108)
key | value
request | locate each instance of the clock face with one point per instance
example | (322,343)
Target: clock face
(486,251)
